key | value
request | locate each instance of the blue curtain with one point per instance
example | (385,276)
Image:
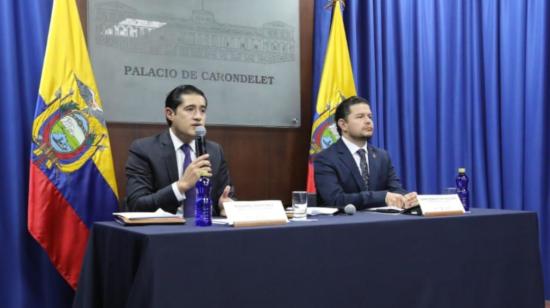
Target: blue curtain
(27,277)
(457,83)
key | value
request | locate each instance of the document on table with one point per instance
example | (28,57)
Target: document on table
(255,213)
(321,210)
(142,218)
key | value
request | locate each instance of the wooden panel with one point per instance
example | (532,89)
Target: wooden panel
(265,163)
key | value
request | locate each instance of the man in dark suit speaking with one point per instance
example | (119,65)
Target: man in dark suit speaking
(351,171)
(162,170)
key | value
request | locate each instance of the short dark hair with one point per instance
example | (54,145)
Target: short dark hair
(174,98)
(343,110)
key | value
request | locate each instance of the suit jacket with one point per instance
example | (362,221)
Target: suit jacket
(151,169)
(339,182)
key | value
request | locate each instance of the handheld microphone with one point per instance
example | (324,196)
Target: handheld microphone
(200,140)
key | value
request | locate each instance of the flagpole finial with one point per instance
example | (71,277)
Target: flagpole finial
(331,3)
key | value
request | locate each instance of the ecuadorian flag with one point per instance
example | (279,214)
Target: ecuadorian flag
(336,85)
(72,180)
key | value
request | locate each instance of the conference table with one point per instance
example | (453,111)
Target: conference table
(486,258)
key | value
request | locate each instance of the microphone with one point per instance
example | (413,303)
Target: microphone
(200,140)
(348,209)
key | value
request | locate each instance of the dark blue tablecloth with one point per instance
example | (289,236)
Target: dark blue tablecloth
(489,258)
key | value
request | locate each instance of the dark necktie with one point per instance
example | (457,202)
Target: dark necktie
(191,194)
(364,166)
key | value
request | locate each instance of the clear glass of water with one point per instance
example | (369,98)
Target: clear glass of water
(299,204)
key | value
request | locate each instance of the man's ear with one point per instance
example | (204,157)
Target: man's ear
(342,124)
(169,113)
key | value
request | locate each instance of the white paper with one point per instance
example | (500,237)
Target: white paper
(255,211)
(145,215)
(431,204)
(304,219)
(321,210)
(222,221)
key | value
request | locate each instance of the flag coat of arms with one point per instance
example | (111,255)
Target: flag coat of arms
(336,84)
(72,181)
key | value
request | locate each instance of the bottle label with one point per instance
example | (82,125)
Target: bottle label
(203,204)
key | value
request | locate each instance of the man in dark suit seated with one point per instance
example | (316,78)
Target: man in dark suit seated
(351,171)
(162,170)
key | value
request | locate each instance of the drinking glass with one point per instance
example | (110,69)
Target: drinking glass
(299,204)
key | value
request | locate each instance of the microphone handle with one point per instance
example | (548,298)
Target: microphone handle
(200,145)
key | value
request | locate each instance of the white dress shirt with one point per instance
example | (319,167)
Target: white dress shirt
(180,158)
(353,150)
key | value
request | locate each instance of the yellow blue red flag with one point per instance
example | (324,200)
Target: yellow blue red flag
(72,180)
(336,84)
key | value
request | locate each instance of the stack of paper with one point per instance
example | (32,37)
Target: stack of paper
(321,210)
(143,218)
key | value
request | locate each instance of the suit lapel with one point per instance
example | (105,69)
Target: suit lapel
(215,157)
(374,167)
(346,157)
(169,156)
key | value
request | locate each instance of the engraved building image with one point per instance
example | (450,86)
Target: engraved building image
(120,26)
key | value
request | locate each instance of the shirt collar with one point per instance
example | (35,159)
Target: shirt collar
(352,147)
(178,143)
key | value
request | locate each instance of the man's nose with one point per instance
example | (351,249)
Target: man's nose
(198,115)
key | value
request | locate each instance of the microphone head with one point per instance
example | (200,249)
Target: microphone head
(350,209)
(200,131)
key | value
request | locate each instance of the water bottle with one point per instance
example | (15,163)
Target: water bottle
(462,188)
(203,203)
